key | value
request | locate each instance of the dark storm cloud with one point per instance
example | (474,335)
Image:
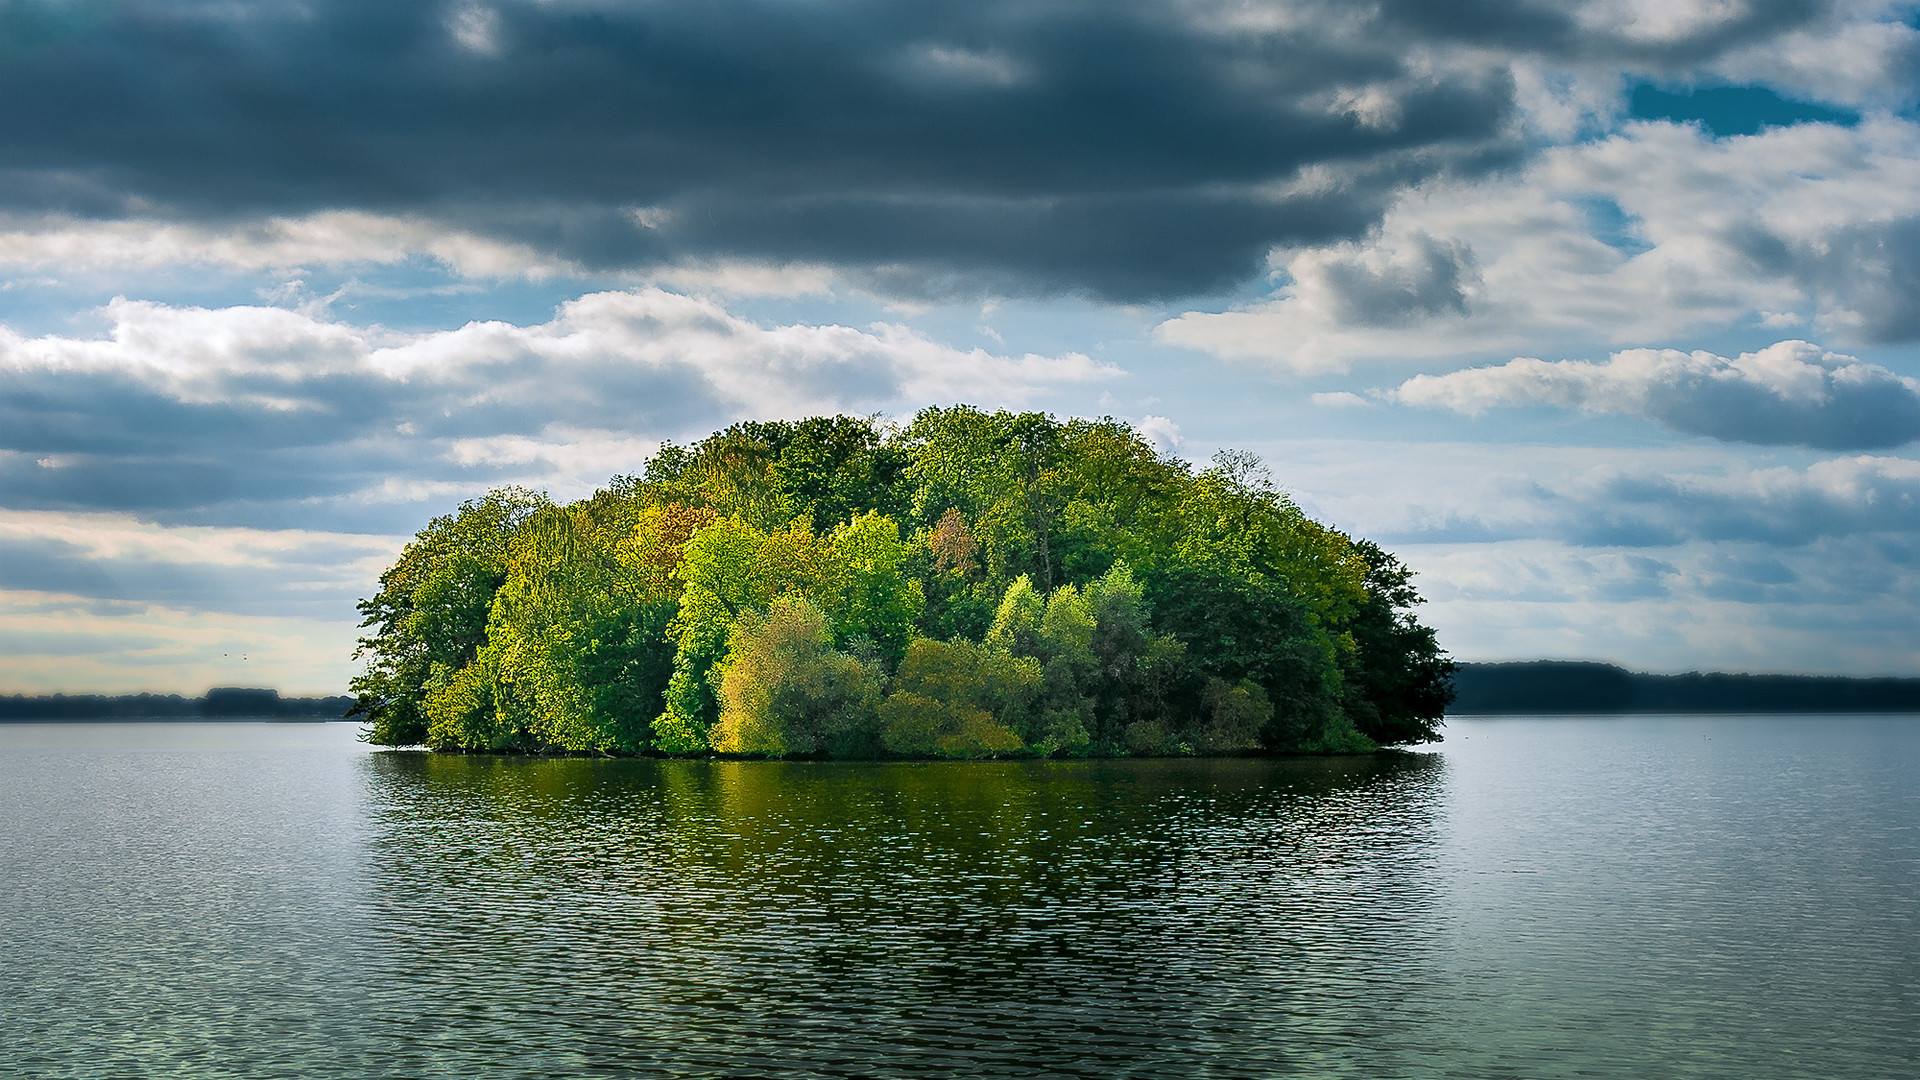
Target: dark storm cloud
(1131,150)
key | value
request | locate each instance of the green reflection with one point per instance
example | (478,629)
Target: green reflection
(874,910)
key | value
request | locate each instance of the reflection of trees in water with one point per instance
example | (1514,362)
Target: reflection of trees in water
(1054,914)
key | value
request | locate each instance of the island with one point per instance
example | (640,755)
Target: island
(969,584)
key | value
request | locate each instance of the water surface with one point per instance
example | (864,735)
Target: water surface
(1712,897)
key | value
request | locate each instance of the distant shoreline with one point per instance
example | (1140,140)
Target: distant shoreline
(1551,687)
(220,703)
(1568,687)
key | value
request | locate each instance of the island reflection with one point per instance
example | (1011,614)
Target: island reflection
(842,918)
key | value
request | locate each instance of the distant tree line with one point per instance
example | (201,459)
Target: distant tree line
(970,584)
(221,702)
(1571,686)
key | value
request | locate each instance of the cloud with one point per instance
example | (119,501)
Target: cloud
(71,244)
(1124,150)
(1374,287)
(117,558)
(1656,233)
(1598,497)
(1780,506)
(57,642)
(257,415)
(1637,506)
(1162,432)
(1663,557)
(1866,60)
(1790,393)
(1340,399)
(1841,605)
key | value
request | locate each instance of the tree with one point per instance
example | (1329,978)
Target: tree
(1398,682)
(958,699)
(430,613)
(724,578)
(972,584)
(866,588)
(578,640)
(785,690)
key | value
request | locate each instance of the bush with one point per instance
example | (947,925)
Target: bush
(785,690)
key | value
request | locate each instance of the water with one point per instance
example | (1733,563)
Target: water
(1675,897)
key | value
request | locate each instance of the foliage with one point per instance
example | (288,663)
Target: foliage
(431,611)
(784,689)
(1398,682)
(958,699)
(970,584)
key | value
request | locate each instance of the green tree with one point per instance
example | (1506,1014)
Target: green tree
(866,588)
(1034,586)
(1000,471)
(724,578)
(1398,682)
(579,640)
(430,613)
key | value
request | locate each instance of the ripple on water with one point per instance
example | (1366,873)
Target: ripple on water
(1538,898)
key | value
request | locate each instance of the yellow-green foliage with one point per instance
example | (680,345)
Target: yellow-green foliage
(958,699)
(854,578)
(562,636)
(1016,625)
(784,689)
(460,708)
(870,595)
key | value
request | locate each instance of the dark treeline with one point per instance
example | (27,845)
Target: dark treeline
(969,584)
(1562,686)
(221,702)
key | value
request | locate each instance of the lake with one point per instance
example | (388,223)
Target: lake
(1590,897)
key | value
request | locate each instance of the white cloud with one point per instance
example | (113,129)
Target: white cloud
(124,538)
(1790,392)
(736,278)
(1661,557)
(1163,433)
(339,238)
(181,410)
(1617,498)
(1867,62)
(475,28)
(1340,399)
(1655,233)
(1839,606)
(51,642)
(953,64)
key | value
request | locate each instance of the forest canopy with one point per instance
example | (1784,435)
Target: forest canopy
(970,584)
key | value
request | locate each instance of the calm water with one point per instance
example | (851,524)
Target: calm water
(1673,897)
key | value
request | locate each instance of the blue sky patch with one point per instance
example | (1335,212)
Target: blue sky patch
(1732,110)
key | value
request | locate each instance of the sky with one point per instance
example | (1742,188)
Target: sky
(1602,316)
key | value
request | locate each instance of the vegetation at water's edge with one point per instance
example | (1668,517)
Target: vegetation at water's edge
(969,585)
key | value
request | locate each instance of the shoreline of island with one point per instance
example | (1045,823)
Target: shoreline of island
(1505,688)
